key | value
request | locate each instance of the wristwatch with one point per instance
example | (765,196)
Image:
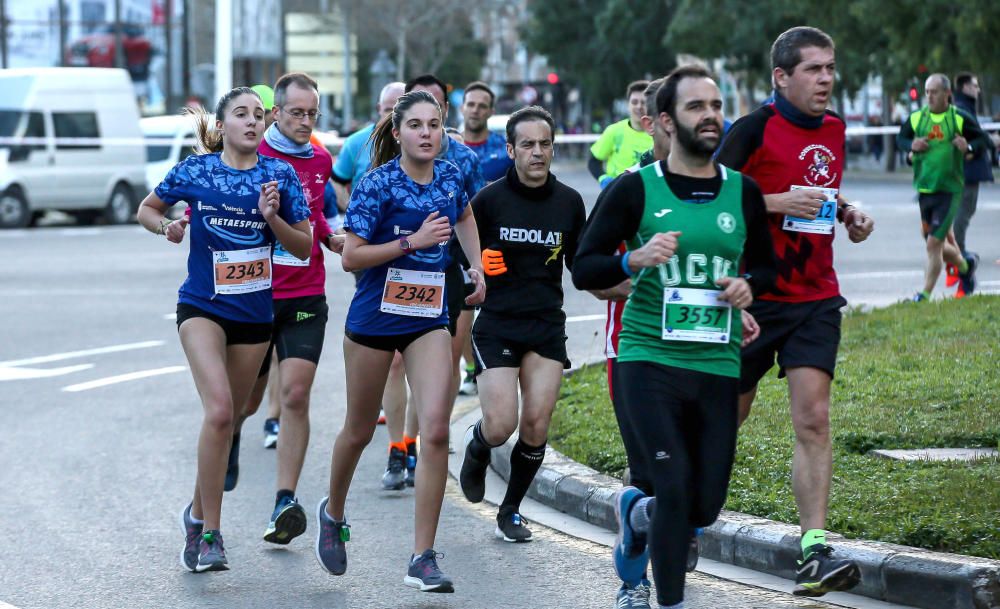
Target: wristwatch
(404,244)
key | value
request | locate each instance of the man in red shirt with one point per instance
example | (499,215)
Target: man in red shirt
(794,148)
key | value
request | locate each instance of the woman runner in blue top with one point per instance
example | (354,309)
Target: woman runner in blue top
(398,225)
(241,204)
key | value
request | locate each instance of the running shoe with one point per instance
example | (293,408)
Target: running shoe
(271,433)
(330,549)
(919,297)
(288,521)
(633,597)
(411,470)
(233,464)
(967,280)
(192,536)
(472,478)
(425,575)
(692,559)
(630,554)
(394,478)
(211,553)
(468,386)
(511,527)
(950,275)
(381,417)
(822,573)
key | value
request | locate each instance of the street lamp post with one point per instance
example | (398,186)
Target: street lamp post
(381,72)
(3,34)
(223,48)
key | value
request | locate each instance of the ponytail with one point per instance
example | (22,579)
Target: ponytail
(384,147)
(207,138)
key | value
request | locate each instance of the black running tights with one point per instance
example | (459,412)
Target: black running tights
(686,431)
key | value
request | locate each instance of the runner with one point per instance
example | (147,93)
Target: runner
(622,143)
(300,309)
(940,138)
(794,147)
(224,309)
(491,148)
(690,225)
(401,423)
(531,222)
(399,222)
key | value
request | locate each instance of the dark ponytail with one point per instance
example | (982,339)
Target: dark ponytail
(208,139)
(384,147)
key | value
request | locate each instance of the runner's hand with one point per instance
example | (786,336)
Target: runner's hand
(479,294)
(802,203)
(657,250)
(961,144)
(858,224)
(335,242)
(750,328)
(433,231)
(176,229)
(735,291)
(269,200)
(493,262)
(919,145)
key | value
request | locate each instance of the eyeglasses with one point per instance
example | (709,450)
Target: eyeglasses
(300,114)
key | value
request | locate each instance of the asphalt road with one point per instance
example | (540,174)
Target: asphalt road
(96,466)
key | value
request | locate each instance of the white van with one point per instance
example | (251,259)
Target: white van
(169,140)
(69,141)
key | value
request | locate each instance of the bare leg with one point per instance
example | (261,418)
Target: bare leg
(540,381)
(394,399)
(498,399)
(746,402)
(297,377)
(812,463)
(429,366)
(935,248)
(274,395)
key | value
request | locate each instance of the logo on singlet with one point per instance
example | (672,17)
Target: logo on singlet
(820,170)
(662,213)
(726,222)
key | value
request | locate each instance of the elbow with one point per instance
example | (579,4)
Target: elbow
(347,262)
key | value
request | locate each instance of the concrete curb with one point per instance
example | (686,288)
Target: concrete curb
(892,573)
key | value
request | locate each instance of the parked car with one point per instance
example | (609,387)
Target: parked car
(69,141)
(97,50)
(169,140)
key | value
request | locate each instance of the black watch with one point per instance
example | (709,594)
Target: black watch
(749,279)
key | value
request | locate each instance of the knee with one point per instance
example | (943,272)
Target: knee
(934,245)
(295,400)
(812,422)
(358,436)
(434,435)
(534,430)
(499,426)
(219,415)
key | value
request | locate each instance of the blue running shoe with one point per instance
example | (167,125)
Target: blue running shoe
(330,549)
(411,470)
(633,597)
(211,553)
(192,537)
(233,464)
(271,427)
(288,521)
(967,280)
(424,574)
(630,554)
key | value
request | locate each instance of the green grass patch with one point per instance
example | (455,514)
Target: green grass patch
(908,376)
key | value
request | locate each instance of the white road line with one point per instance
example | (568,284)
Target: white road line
(4,605)
(170,316)
(585,318)
(44,359)
(880,275)
(20,374)
(122,378)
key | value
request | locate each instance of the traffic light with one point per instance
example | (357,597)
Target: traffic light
(914,94)
(553,78)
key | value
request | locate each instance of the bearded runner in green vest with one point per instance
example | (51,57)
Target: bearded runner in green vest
(939,137)
(698,248)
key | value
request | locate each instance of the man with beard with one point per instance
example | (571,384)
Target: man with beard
(689,225)
(794,148)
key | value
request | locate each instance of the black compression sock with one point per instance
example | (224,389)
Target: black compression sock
(479,446)
(283,493)
(524,463)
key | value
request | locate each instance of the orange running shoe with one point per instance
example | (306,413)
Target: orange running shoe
(951,276)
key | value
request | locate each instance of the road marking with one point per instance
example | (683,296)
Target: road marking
(170,316)
(880,275)
(44,359)
(122,378)
(20,374)
(81,232)
(4,605)
(585,318)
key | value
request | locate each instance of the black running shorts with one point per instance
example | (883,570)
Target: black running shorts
(502,342)
(937,212)
(799,334)
(299,329)
(237,332)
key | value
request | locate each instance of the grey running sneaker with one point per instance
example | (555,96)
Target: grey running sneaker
(468,386)
(233,464)
(511,527)
(330,549)
(211,553)
(633,597)
(394,478)
(472,477)
(271,427)
(424,574)
(192,535)
(288,521)
(821,572)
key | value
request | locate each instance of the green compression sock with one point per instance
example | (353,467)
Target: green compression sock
(964,267)
(811,538)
